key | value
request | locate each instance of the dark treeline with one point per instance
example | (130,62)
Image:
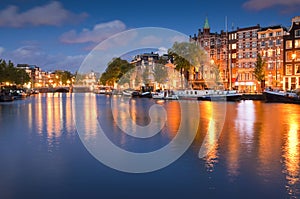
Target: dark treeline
(13,75)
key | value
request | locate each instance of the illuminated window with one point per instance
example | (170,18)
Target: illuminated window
(297,43)
(254,44)
(233,46)
(234,56)
(289,55)
(288,69)
(270,53)
(254,55)
(289,44)
(297,69)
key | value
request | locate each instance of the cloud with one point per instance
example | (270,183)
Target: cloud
(260,5)
(52,14)
(99,33)
(36,56)
(162,50)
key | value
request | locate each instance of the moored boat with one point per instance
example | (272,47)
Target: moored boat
(281,97)
(221,96)
(166,95)
(6,98)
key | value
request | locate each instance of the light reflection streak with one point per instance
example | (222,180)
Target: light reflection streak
(291,155)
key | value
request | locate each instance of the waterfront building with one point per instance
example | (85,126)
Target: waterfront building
(246,58)
(215,45)
(291,56)
(270,47)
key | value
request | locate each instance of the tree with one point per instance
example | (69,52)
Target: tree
(11,74)
(160,73)
(186,55)
(115,70)
(259,71)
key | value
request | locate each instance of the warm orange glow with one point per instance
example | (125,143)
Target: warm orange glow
(294,56)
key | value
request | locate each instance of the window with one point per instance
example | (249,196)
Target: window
(288,69)
(297,33)
(297,43)
(297,69)
(241,36)
(289,55)
(254,34)
(254,55)
(297,55)
(278,42)
(240,55)
(263,44)
(278,33)
(240,46)
(233,46)
(271,43)
(270,34)
(270,66)
(234,56)
(270,53)
(289,44)
(254,44)
(263,36)
(247,45)
(247,34)
(247,55)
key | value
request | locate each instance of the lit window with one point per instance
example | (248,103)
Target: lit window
(247,45)
(233,46)
(288,69)
(289,44)
(254,44)
(234,56)
(297,43)
(297,69)
(289,55)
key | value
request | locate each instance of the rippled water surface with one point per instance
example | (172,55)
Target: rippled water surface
(253,149)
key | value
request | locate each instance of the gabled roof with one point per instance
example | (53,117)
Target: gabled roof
(206,25)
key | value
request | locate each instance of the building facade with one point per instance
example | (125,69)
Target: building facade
(215,45)
(270,47)
(291,56)
(247,51)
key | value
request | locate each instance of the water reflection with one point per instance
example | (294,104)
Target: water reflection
(291,154)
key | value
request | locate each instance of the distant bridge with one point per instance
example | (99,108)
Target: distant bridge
(62,89)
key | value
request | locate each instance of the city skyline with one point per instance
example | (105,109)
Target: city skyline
(32,34)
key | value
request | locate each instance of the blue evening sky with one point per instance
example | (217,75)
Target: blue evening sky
(59,34)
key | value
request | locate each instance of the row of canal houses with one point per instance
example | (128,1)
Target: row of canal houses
(235,53)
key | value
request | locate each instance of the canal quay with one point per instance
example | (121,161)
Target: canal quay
(252,148)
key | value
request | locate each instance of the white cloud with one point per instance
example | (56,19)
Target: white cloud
(260,5)
(162,50)
(99,33)
(50,14)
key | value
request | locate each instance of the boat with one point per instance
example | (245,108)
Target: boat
(291,97)
(221,95)
(191,94)
(19,94)
(6,97)
(128,92)
(166,95)
(146,94)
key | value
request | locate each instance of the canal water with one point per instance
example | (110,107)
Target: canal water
(252,149)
